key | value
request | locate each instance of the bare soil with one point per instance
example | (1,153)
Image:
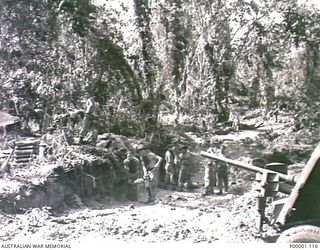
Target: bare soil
(177,216)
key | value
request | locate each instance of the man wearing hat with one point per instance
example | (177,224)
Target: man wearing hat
(210,171)
(150,163)
(88,115)
(223,174)
(185,162)
(132,166)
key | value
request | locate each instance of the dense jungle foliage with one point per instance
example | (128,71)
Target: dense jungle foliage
(150,63)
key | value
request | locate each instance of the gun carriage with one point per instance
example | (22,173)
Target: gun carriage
(294,200)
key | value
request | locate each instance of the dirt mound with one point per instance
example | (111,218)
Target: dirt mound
(67,176)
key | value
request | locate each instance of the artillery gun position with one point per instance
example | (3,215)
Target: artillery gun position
(295,203)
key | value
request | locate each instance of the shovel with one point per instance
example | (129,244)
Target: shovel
(139,181)
(143,180)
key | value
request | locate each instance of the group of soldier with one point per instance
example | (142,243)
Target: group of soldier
(178,168)
(216,173)
(178,164)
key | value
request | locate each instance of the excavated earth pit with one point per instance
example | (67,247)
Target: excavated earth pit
(62,185)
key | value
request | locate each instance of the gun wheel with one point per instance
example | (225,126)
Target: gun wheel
(300,234)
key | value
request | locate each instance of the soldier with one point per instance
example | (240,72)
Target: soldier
(176,163)
(150,163)
(185,162)
(132,168)
(45,121)
(276,112)
(236,122)
(223,174)
(210,179)
(88,116)
(170,167)
(210,172)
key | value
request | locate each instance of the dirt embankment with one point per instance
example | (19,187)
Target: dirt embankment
(67,177)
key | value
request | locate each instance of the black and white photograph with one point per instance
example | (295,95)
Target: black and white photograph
(163,123)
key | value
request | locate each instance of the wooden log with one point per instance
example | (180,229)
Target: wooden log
(23,152)
(22,160)
(22,144)
(24,148)
(22,157)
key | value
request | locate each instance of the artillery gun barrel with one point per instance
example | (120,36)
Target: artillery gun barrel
(247,166)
